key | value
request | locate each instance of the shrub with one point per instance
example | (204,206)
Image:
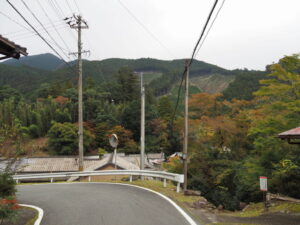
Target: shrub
(7,185)
(8,208)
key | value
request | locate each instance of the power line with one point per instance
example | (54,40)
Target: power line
(31,33)
(71,10)
(15,21)
(144,27)
(21,25)
(58,7)
(38,33)
(203,30)
(193,55)
(55,9)
(53,26)
(28,31)
(44,29)
(211,25)
(60,16)
(77,6)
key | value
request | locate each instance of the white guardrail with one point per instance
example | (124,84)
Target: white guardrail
(178,178)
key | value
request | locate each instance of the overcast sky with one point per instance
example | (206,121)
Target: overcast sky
(247,33)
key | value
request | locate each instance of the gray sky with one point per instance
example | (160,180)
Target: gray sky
(247,33)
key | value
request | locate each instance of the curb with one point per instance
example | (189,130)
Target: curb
(40,213)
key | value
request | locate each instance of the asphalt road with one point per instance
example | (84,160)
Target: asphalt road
(99,204)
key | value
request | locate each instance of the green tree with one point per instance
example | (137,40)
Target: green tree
(63,138)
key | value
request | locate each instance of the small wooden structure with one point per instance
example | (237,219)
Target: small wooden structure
(10,50)
(291,136)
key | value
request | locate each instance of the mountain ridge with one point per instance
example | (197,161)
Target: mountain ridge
(166,73)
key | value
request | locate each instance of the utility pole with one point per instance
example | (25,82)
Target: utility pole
(186,114)
(142,163)
(77,24)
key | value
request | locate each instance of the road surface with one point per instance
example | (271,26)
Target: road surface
(99,204)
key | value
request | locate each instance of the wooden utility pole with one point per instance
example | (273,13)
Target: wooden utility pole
(186,115)
(78,26)
(142,163)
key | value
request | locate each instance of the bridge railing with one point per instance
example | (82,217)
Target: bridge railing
(178,178)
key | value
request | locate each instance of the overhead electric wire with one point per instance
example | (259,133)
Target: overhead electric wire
(211,25)
(60,17)
(193,55)
(20,14)
(203,31)
(15,21)
(57,6)
(57,45)
(31,33)
(63,41)
(55,9)
(27,30)
(77,6)
(71,10)
(144,27)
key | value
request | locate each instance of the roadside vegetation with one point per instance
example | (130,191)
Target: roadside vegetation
(8,203)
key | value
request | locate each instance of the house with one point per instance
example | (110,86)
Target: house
(291,135)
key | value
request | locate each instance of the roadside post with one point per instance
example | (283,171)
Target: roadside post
(114,141)
(263,183)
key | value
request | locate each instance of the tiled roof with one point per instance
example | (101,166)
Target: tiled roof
(69,164)
(35,165)
(293,133)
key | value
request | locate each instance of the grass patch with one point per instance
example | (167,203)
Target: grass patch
(253,210)
(286,206)
(169,191)
(258,209)
(32,220)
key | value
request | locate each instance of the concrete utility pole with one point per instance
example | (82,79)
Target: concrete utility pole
(142,163)
(186,114)
(78,26)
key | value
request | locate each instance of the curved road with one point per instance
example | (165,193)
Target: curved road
(99,204)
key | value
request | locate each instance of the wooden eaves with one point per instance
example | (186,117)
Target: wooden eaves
(10,50)
(291,136)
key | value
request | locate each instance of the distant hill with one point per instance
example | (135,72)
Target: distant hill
(44,61)
(161,75)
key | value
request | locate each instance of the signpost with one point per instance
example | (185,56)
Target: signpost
(263,183)
(114,141)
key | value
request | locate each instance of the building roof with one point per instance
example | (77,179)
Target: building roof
(11,50)
(69,164)
(53,164)
(290,134)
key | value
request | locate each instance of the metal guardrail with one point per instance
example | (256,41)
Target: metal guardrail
(178,178)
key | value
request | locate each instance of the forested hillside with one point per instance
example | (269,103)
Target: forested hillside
(44,62)
(232,140)
(161,75)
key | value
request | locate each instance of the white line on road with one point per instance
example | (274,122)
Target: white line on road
(40,213)
(183,213)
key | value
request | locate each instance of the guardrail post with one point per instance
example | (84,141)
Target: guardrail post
(89,178)
(130,178)
(17,181)
(51,180)
(165,182)
(178,187)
